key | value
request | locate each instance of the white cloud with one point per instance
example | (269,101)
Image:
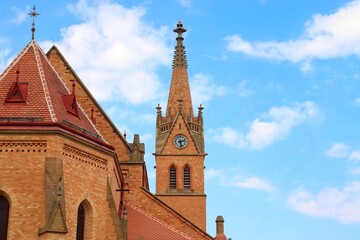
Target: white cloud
(338,150)
(212,173)
(203,89)
(278,123)
(243,90)
(115,51)
(325,37)
(342,205)
(262,2)
(255,183)
(20,15)
(341,150)
(354,171)
(281,121)
(228,136)
(235,177)
(357,101)
(355,156)
(185,3)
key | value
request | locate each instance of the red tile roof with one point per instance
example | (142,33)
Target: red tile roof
(45,93)
(143,226)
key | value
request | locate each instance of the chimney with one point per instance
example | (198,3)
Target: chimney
(220,228)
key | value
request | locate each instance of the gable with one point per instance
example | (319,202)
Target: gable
(86,100)
(180,127)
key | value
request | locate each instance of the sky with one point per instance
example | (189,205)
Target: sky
(279,80)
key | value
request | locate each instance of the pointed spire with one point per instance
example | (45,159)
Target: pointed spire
(33,14)
(179,87)
(180,53)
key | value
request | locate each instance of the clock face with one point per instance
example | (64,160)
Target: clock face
(180,141)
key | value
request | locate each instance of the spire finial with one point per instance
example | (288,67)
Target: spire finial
(33,14)
(179,30)
(179,54)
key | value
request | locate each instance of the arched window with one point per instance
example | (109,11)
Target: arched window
(186,177)
(172,177)
(80,223)
(4,217)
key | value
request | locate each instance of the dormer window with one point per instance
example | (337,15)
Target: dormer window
(18,91)
(70,102)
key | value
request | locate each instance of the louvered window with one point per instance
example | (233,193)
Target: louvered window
(4,217)
(172,178)
(187,178)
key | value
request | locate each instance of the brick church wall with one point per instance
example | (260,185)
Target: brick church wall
(85,169)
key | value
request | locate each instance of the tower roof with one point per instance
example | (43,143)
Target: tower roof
(31,91)
(179,94)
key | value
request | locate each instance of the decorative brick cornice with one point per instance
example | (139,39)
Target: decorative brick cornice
(22,146)
(84,157)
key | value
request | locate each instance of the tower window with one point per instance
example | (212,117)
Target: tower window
(80,223)
(172,177)
(4,217)
(186,177)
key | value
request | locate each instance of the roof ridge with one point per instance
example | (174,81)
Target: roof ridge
(47,60)
(158,221)
(15,60)
(43,82)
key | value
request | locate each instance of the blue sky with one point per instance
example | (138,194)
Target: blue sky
(279,81)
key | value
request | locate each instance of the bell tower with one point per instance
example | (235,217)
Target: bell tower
(179,151)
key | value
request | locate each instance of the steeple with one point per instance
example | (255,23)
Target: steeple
(179,145)
(179,86)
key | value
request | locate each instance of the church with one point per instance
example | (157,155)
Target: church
(67,172)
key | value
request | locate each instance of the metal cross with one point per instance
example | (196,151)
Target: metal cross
(33,14)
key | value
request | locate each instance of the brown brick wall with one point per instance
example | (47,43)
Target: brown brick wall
(22,178)
(190,206)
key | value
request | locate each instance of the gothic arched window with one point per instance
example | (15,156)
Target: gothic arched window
(80,223)
(172,177)
(186,177)
(4,217)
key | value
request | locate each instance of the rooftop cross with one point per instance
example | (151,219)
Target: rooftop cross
(33,14)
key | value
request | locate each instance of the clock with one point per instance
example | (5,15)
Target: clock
(180,141)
